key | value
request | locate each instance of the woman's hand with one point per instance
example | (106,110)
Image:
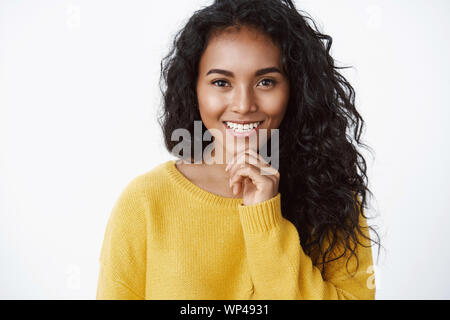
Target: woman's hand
(252,174)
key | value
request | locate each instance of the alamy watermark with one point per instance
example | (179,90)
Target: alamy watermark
(213,153)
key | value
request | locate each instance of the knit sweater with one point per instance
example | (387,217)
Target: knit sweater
(167,238)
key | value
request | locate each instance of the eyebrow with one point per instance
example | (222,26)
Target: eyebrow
(257,73)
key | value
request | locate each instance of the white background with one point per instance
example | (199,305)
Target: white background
(78,100)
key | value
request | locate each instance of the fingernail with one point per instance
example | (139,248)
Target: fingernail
(234,190)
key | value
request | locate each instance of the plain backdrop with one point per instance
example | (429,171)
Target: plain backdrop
(78,103)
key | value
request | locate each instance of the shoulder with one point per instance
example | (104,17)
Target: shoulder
(142,190)
(155,178)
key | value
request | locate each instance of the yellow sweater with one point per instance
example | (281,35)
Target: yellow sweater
(167,238)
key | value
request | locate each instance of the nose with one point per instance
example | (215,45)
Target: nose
(243,100)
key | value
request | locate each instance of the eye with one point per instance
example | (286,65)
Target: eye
(219,81)
(270,81)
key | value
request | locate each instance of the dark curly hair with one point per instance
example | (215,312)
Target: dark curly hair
(323,178)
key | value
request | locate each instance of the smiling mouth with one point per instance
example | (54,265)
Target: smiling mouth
(259,124)
(240,130)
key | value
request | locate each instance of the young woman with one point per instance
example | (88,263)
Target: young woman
(237,227)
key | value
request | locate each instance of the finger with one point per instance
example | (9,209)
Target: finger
(242,157)
(233,160)
(252,158)
(241,160)
(250,172)
(240,186)
(258,156)
(255,159)
(266,168)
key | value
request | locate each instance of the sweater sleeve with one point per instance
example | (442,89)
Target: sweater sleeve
(280,269)
(123,253)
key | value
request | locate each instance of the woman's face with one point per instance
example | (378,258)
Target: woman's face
(240,79)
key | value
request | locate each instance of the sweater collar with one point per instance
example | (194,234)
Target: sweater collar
(198,193)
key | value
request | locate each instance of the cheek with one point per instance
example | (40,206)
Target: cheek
(275,105)
(211,104)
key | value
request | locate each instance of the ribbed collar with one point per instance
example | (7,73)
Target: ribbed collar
(198,193)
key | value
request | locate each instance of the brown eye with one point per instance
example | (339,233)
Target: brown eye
(271,82)
(219,81)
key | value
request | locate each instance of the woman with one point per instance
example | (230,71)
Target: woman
(233,226)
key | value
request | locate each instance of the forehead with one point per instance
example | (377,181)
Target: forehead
(240,50)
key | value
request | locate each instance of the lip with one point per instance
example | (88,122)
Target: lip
(243,122)
(242,134)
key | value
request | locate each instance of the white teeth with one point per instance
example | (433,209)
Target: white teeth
(242,128)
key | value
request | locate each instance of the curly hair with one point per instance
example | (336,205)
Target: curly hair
(323,177)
